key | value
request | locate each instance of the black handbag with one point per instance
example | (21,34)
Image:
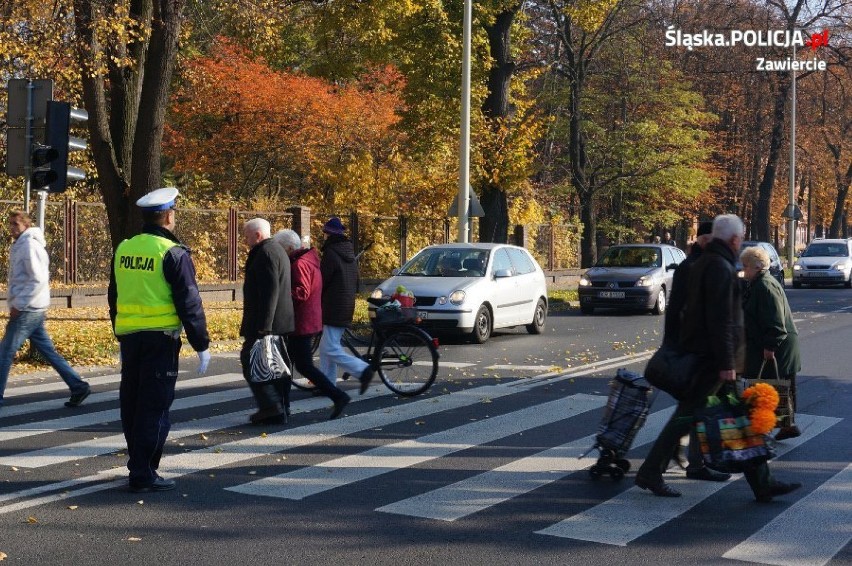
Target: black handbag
(673,371)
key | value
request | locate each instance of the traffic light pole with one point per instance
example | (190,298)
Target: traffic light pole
(40,206)
(28,136)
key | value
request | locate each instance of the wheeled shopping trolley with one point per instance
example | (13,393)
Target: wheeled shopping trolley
(626,411)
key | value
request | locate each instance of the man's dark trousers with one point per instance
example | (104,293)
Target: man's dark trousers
(149,369)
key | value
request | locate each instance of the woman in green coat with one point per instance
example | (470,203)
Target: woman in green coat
(770,332)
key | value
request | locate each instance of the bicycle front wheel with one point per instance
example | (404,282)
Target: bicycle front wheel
(408,361)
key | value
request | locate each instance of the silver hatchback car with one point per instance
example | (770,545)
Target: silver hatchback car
(630,276)
(824,262)
(473,288)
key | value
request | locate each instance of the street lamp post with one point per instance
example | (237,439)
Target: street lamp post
(464,145)
(791,227)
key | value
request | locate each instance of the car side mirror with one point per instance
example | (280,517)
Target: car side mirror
(671,266)
(500,273)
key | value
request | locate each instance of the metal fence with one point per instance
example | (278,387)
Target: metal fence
(80,249)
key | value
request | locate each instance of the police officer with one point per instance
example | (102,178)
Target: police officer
(152,293)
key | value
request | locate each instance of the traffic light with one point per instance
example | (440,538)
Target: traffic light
(50,161)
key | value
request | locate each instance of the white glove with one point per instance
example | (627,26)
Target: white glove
(203,361)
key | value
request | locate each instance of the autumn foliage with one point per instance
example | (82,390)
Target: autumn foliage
(257,132)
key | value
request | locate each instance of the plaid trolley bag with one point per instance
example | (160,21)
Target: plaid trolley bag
(626,410)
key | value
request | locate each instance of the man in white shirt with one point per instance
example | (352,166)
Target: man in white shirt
(28,299)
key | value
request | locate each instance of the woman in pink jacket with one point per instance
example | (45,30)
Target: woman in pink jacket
(306,288)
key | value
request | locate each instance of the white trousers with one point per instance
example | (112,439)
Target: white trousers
(332,355)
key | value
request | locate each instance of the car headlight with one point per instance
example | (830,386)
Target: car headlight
(797,267)
(457,297)
(584,281)
(841,265)
(740,273)
(645,281)
(377,293)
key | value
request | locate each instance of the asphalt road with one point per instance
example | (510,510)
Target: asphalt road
(483,469)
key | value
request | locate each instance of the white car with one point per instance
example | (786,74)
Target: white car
(473,288)
(824,262)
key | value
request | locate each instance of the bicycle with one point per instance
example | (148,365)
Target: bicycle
(404,355)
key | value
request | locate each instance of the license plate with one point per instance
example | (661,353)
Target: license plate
(611,294)
(423,315)
(814,274)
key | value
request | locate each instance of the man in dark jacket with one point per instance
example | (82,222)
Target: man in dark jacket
(306,283)
(680,282)
(339,286)
(693,463)
(152,294)
(267,309)
(712,327)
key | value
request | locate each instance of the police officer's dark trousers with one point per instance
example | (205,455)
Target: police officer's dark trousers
(149,368)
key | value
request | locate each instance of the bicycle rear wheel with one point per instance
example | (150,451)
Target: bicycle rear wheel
(408,361)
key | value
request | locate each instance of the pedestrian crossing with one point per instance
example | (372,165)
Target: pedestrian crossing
(813,528)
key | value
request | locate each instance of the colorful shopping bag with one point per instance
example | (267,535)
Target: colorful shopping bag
(728,444)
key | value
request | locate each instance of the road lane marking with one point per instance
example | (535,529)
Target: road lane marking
(339,472)
(113,443)
(14,432)
(228,453)
(634,513)
(451,365)
(490,488)
(594,367)
(56,386)
(810,532)
(110,396)
(209,458)
(512,367)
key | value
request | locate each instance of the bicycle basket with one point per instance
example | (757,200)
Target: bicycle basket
(393,314)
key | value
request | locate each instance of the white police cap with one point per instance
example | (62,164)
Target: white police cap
(161,199)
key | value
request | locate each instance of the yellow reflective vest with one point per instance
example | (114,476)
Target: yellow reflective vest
(144,297)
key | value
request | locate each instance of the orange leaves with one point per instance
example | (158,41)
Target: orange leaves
(247,126)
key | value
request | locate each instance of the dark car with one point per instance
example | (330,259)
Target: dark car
(630,276)
(775,267)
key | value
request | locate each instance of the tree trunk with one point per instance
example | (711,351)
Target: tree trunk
(494,226)
(588,240)
(843,182)
(585,192)
(126,118)
(764,190)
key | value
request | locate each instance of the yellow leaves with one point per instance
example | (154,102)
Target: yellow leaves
(73,507)
(589,15)
(134,539)
(31,520)
(3,556)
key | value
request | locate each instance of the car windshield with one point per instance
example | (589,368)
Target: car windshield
(826,250)
(632,257)
(447,262)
